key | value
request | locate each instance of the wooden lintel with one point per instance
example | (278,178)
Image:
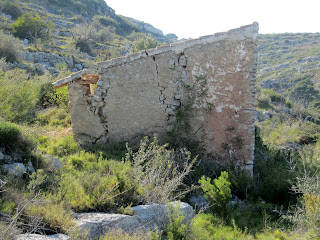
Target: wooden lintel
(81,77)
(84,82)
(92,78)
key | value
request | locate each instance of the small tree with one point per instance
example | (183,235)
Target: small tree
(10,47)
(143,44)
(218,193)
(32,27)
(11,8)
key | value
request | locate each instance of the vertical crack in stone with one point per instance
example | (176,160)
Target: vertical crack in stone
(162,97)
(97,107)
(179,64)
(156,68)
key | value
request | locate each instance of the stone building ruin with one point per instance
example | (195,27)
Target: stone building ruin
(140,94)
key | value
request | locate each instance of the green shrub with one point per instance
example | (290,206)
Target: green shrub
(264,102)
(12,139)
(126,27)
(60,147)
(55,117)
(158,171)
(275,235)
(62,66)
(9,134)
(10,47)
(206,226)
(273,173)
(218,193)
(91,183)
(143,44)
(33,27)
(54,218)
(83,45)
(305,214)
(106,21)
(53,97)
(136,235)
(245,186)
(18,96)
(8,231)
(11,8)
(274,96)
(175,230)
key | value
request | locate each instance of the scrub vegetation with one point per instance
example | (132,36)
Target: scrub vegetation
(280,201)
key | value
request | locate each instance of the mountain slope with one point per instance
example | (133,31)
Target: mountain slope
(83,32)
(288,80)
(289,64)
(285,56)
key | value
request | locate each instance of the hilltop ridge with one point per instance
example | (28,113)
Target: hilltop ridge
(82,33)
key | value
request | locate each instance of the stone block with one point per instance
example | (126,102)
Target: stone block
(175,102)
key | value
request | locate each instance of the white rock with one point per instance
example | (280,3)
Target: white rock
(17,169)
(42,237)
(54,163)
(156,214)
(97,224)
(170,111)
(175,103)
(178,96)
(198,201)
(146,217)
(6,16)
(1,156)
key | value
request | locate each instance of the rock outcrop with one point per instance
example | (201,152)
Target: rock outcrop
(42,237)
(145,217)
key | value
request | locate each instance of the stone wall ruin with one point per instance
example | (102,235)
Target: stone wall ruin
(140,94)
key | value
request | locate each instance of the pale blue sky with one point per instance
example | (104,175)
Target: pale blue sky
(189,18)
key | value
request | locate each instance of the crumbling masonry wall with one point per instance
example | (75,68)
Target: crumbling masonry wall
(139,94)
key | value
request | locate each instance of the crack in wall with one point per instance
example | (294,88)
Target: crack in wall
(162,96)
(97,107)
(179,64)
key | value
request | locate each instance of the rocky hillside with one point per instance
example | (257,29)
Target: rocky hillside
(288,99)
(286,56)
(80,33)
(289,67)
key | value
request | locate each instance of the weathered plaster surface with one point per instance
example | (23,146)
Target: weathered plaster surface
(139,94)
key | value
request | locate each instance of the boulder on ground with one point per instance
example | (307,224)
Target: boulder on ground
(16,169)
(198,202)
(145,217)
(53,162)
(42,237)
